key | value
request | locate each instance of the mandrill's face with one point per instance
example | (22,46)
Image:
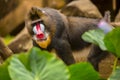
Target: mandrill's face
(39,26)
(40,34)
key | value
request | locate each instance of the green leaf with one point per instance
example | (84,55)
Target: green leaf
(112,42)
(18,71)
(115,75)
(42,66)
(4,75)
(96,37)
(24,58)
(83,71)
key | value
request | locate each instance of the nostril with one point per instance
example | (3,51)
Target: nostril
(40,36)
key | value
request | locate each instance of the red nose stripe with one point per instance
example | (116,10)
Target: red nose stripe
(40,34)
(38,26)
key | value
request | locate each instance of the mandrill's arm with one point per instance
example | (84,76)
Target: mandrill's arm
(63,50)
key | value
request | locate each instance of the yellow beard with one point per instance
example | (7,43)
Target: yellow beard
(44,44)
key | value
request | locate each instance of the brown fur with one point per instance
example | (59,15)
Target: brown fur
(65,33)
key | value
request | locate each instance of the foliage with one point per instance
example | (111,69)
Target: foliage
(83,71)
(41,65)
(112,42)
(96,37)
(115,74)
(4,75)
(109,42)
(37,65)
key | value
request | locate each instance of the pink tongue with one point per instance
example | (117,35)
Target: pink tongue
(40,34)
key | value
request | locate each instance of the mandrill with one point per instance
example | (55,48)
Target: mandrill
(51,29)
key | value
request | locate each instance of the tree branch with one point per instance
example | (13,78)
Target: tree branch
(4,50)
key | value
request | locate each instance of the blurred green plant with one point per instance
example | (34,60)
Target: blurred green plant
(115,74)
(96,37)
(109,42)
(112,42)
(83,71)
(41,65)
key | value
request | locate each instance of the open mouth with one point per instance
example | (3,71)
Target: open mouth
(42,39)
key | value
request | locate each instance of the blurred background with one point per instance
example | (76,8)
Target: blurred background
(13,12)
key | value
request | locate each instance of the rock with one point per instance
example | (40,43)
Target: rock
(16,17)
(83,8)
(117,18)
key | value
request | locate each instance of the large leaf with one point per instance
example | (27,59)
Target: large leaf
(4,75)
(112,41)
(115,75)
(43,66)
(18,71)
(83,71)
(95,37)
